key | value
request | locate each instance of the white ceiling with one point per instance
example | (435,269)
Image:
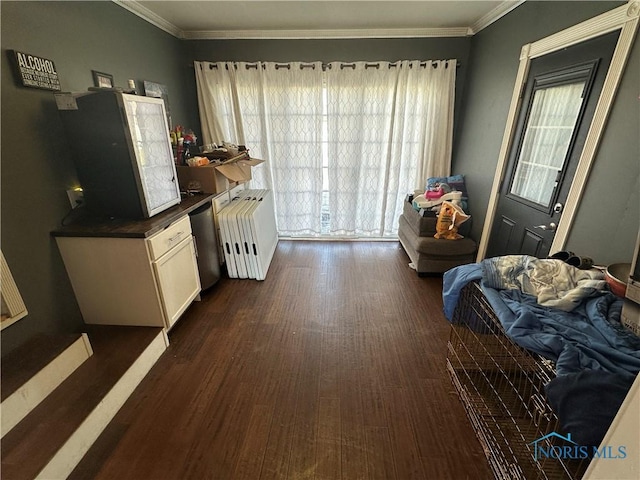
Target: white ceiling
(319,19)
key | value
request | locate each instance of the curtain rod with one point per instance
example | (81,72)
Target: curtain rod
(326,66)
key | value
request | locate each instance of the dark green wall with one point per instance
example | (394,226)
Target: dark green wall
(36,167)
(370,49)
(608,218)
(609,215)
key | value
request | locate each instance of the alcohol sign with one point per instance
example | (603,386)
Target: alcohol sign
(36,72)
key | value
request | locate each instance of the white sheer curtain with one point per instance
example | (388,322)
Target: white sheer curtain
(220,116)
(293,139)
(276,111)
(389,129)
(382,130)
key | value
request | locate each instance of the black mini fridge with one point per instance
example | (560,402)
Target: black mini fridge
(122,152)
(204,233)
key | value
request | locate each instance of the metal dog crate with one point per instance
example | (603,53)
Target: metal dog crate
(501,386)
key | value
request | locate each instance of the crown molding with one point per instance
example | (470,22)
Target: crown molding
(494,15)
(138,9)
(326,34)
(146,14)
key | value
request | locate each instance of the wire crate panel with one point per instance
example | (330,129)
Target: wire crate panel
(501,386)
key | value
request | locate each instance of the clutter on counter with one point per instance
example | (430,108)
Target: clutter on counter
(214,170)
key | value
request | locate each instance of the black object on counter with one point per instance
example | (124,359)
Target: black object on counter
(203,228)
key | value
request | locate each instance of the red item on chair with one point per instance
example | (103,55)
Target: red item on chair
(433,194)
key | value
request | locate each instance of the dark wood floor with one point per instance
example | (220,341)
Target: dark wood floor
(332,368)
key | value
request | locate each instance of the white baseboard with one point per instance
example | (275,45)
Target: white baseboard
(70,454)
(20,403)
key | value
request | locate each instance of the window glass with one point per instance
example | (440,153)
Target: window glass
(553,116)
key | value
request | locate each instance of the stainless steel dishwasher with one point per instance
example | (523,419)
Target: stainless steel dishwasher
(204,232)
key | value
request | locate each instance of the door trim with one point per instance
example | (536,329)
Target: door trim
(623,18)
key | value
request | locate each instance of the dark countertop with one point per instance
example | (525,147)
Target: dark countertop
(119,228)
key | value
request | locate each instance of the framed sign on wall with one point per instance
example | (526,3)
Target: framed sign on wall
(35,72)
(102,80)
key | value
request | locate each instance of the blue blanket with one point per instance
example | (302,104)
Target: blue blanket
(587,402)
(589,337)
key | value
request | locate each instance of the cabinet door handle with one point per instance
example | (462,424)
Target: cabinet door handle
(175,237)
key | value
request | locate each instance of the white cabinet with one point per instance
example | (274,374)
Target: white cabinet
(178,280)
(133,281)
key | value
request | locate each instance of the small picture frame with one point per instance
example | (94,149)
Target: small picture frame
(102,80)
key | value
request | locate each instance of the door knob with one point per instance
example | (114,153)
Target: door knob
(551,227)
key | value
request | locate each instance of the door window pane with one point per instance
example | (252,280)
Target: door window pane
(549,129)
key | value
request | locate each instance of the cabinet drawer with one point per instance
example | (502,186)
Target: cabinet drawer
(163,241)
(221,201)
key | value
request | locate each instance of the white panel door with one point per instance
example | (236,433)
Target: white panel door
(178,279)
